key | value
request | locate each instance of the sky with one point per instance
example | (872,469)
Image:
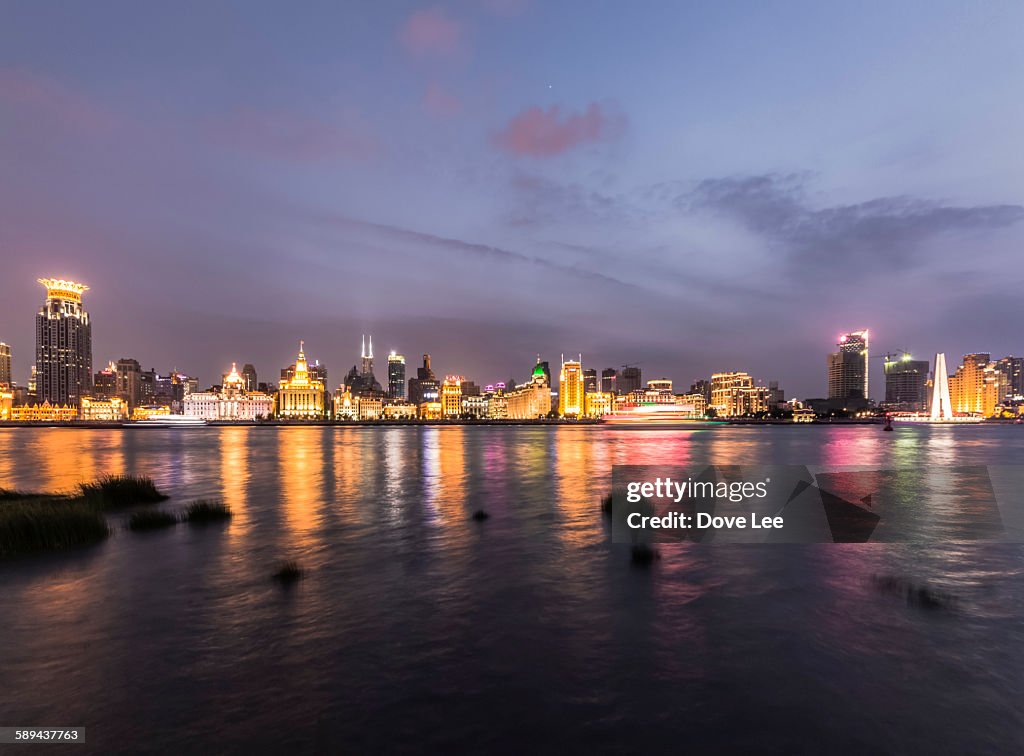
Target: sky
(690,187)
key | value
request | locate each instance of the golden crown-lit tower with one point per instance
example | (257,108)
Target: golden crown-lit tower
(63,344)
(301,397)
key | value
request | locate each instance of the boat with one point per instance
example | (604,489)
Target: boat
(168,421)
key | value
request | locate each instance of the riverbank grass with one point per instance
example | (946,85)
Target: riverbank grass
(151,519)
(203,511)
(50,523)
(119,491)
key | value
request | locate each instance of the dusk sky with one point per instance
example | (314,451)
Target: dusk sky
(693,187)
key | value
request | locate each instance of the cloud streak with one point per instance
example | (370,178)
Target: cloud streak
(541,133)
(431,33)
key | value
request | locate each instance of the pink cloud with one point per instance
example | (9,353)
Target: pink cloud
(283,135)
(43,97)
(440,101)
(543,133)
(430,32)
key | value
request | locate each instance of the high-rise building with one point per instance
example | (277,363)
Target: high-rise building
(249,381)
(451,396)
(974,388)
(848,367)
(734,394)
(1012,371)
(396,376)
(590,380)
(906,380)
(5,365)
(303,395)
(702,387)
(941,408)
(367,357)
(424,387)
(609,381)
(630,379)
(63,344)
(129,382)
(104,383)
(571,391)
(532,400)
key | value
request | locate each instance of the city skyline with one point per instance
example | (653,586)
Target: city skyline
(313,178)
(847,374)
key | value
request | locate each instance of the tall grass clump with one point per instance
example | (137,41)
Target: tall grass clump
(288,573)
(48,524)
(117,491)
(151,519)
(204,511)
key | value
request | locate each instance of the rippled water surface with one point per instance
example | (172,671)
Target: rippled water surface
(418,629)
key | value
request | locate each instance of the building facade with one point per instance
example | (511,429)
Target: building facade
(906,383)
(108,409)
(5,365)
(571,391)
(451,396)
(396,376)
(302,396)
(735,395)
(63,344)
(848,367)
(231,402)
(531,400)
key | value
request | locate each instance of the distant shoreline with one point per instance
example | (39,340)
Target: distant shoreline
(745,422)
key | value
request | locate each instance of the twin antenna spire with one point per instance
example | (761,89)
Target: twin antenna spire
(363,353)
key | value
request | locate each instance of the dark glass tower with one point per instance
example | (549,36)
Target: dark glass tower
(63,344)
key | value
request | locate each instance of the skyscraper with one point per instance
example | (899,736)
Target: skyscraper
(5,364)
(941,408)
(570,388)
(848,367)
(609,378)
(906,383)
(396,376)
(590,380)
(63,344)
(367,357)
(630,379)
(424,387)
(249,382)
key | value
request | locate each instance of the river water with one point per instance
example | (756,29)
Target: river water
(418,629)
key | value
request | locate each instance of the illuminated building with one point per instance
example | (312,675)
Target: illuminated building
(475,406)
(531,400)
(369,407)
(941,408)
(399,410)
(362,382)
(570,388)
(974,388)
(232,402)
(301,396)
(150,412)
(129,382)
(104,383)
(63,344)
(110,408)
(661,385)
(734,395)
(848,367)
(344,404)
(5,365)
(424,387)
(451,396)
(1012,371)
(598,403)
(45,413)
(6,403)
(609,382)
(429,410)
(396,376)
(590,381)
(906,383)
(697,400)
(497,402)
(630,379)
